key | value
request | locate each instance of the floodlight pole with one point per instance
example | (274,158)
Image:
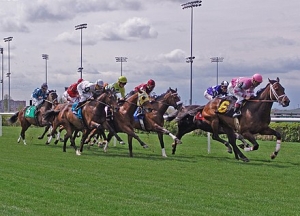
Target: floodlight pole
(1,52)
(217,59)
(80,26)
(121,59)
(46,57)
(8,39)
(190,59)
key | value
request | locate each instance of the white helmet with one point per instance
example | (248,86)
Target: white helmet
(99,82)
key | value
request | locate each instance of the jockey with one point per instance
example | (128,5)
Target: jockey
(86,90)
(39,95)
(148,87)
(243,88)
(71,94)
(218,90)
(119,87)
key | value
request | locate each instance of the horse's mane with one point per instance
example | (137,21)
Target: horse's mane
(261,90)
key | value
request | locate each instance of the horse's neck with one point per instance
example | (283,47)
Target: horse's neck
(130,105)
(161,105)
(264,107)
(47,105)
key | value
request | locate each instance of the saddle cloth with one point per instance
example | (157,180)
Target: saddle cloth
(30,112)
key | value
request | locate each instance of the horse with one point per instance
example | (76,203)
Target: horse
(154,120)
(93,116)
(188,119)
(37,118)
(255,117)
(123,120)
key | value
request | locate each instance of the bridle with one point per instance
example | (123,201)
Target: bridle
(278,97)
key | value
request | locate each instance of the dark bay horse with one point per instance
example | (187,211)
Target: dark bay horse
(123,120)
(93,114)
(38,120)
(154,121)
(255,117)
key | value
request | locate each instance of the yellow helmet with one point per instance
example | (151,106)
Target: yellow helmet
(122,79)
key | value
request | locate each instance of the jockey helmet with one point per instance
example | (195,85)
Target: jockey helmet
(122,79)
(257,77)
(79,80)
(44,86)
(151,82)
(99,82)
(224,83)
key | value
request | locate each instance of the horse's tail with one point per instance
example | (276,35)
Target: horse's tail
(50,114)
(13,118)
(172,116)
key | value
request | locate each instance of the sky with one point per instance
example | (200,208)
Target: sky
(155,35)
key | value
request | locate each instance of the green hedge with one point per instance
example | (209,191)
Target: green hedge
(290,131)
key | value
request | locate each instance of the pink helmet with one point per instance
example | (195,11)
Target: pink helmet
(151,82)
(80,80)
(257,78)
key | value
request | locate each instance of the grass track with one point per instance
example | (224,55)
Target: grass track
(42,180)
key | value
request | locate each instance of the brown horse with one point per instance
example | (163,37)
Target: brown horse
(123,120)
(154,121)
(255,117)
(38,120)
(93,114)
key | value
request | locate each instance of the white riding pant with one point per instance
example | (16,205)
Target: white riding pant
(207,96)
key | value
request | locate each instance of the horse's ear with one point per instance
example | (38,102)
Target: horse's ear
(269,80)
(176,89)
(277,79)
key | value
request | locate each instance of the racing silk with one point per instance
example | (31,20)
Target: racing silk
(38,96)
(117,88)
(86,90)
(72,90)
(143,87)
(241,88)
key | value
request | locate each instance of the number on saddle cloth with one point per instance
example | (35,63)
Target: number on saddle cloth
(30,112)
(226,106)
(77,112)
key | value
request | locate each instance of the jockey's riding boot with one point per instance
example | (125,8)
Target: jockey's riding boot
(78,105)
(237,111)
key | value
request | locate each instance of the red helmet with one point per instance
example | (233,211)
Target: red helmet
(80,80)
(151,82)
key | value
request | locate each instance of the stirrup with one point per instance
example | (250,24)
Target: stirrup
(237,114)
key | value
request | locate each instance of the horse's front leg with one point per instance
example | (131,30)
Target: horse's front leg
(162,144)
(45,131)
(270,131)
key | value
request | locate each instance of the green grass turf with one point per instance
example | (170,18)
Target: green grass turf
(37,179)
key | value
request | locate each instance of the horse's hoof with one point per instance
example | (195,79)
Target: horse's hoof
(122,142)
(56,141)
(78,152)
(245,160)
(178,141)
(40,137)
(145,146)
(273,156)
(47,143)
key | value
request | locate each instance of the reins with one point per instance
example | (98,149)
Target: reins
(272,91)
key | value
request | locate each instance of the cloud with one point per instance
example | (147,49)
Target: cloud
(176,55)
(133,29)
(12,25)
(56,10)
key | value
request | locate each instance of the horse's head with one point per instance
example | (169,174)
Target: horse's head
(277,93)
(110,98)
(52,97)
(173,99)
